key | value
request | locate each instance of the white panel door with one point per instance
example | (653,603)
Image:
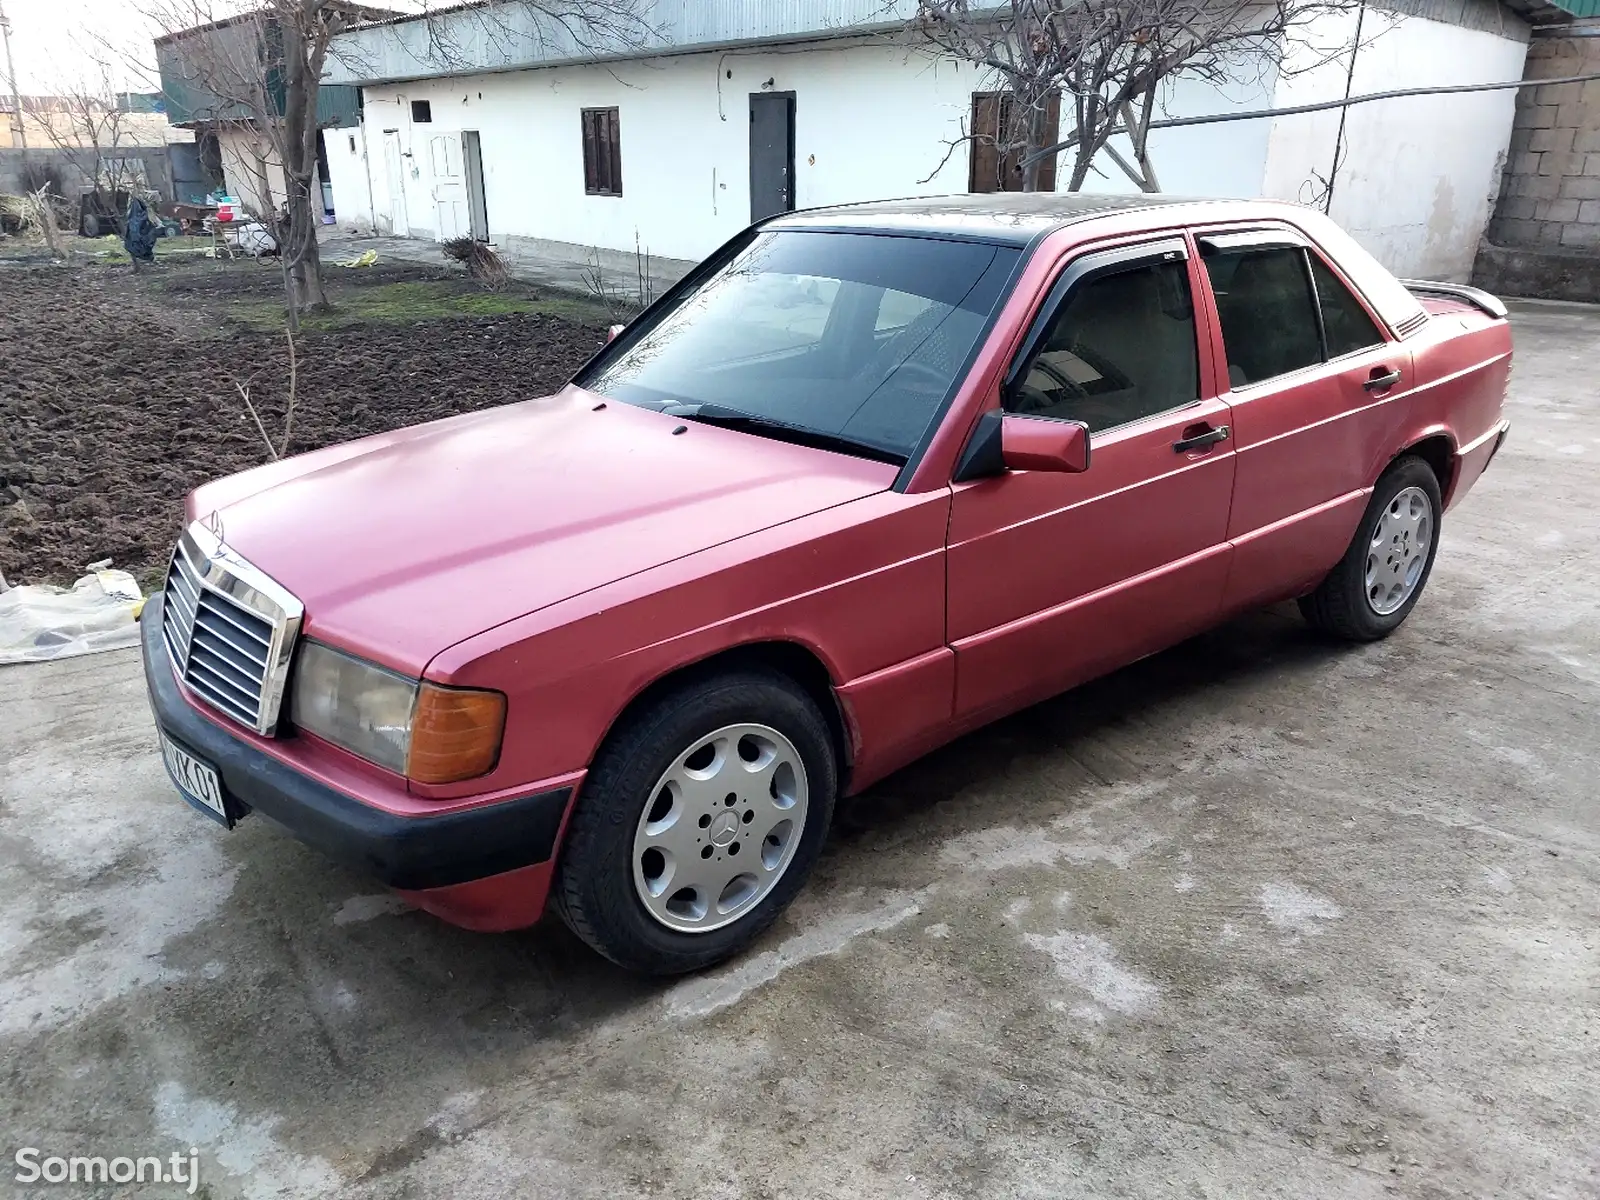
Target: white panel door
(394,164)
(449,186)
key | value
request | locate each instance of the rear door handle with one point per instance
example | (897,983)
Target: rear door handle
(1379,383)
(1201,440)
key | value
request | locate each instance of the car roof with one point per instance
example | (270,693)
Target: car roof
(1012,218)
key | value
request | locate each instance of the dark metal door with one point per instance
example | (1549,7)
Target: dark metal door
(771,153)
(477,209)
(189,182)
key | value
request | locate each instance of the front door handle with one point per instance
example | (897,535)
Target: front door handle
(1380,383)
(1199,441)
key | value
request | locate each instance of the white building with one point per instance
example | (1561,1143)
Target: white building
(734,108)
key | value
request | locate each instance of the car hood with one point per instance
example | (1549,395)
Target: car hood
(401,545)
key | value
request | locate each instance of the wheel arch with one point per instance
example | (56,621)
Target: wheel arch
(1436,448)
(794,660)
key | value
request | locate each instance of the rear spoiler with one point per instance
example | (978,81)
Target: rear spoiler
(1480,300)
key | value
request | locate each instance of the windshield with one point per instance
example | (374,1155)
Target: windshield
(857,337)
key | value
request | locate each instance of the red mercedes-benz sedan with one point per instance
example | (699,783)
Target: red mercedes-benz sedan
(867,478)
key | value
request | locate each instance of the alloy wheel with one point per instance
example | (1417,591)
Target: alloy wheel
(720,828)
(1397,553)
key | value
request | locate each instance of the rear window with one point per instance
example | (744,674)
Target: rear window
(853,335)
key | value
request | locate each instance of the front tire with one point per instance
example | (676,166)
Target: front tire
(699,822)
(1381,576)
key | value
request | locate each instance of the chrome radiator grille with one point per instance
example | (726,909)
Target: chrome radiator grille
(229,630)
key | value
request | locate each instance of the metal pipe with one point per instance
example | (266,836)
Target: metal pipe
(1296,110)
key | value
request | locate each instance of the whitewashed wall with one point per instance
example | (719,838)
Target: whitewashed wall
(251,171)
(871,121)
(347,172)
(1198,160)
(874,120)
(1419,175)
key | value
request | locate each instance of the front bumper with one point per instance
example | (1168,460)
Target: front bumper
(411,853)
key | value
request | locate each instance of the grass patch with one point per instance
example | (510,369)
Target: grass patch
(109,250)
(412,301)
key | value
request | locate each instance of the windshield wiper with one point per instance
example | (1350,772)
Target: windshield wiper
(734,418)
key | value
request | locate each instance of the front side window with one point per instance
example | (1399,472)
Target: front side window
(1120,347)
(853,337)
(1268,311)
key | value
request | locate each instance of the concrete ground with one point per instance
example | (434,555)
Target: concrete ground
(1260,916)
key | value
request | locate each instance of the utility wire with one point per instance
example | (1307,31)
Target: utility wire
(1344,111)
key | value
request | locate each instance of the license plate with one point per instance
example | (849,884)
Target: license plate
(195,779)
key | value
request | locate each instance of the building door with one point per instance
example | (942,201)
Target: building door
(324,183)
(449,186)
(394,162)
(771,154)
(477,210)
(189,181)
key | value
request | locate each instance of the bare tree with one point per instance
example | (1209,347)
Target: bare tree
(261,73)
(1107,59)
(88,122)
(254,77)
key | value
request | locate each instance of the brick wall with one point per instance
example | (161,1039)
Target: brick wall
(1550,193)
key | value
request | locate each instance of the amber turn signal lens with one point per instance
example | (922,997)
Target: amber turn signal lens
(455,734)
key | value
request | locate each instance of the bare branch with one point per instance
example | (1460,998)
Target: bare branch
(1110,57)
(244,394)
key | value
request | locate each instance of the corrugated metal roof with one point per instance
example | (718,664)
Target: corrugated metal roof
(209,72)
(511,36)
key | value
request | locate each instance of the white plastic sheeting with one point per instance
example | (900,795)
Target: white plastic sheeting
(99,612)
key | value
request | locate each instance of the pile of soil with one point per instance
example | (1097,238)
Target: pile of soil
(115,402)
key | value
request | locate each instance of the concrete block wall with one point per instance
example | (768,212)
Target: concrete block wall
(74,167)
(1550,192)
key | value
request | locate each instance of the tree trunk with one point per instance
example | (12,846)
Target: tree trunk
(301,83)
(309,291)
(291,308)
(1080,168)
(1033,143)
(1088,122)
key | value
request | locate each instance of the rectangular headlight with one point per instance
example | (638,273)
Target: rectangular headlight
(354,704)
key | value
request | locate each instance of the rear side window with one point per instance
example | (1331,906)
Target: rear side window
(1268,311)
(1120,347)
(1388,296)
(1345,322)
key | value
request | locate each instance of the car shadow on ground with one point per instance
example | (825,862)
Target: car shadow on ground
(459,1003)
(1214,662)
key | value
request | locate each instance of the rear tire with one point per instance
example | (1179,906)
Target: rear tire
(1381,576)
(739,761)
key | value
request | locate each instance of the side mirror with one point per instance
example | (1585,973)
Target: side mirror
(1043,444)
(613,332)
